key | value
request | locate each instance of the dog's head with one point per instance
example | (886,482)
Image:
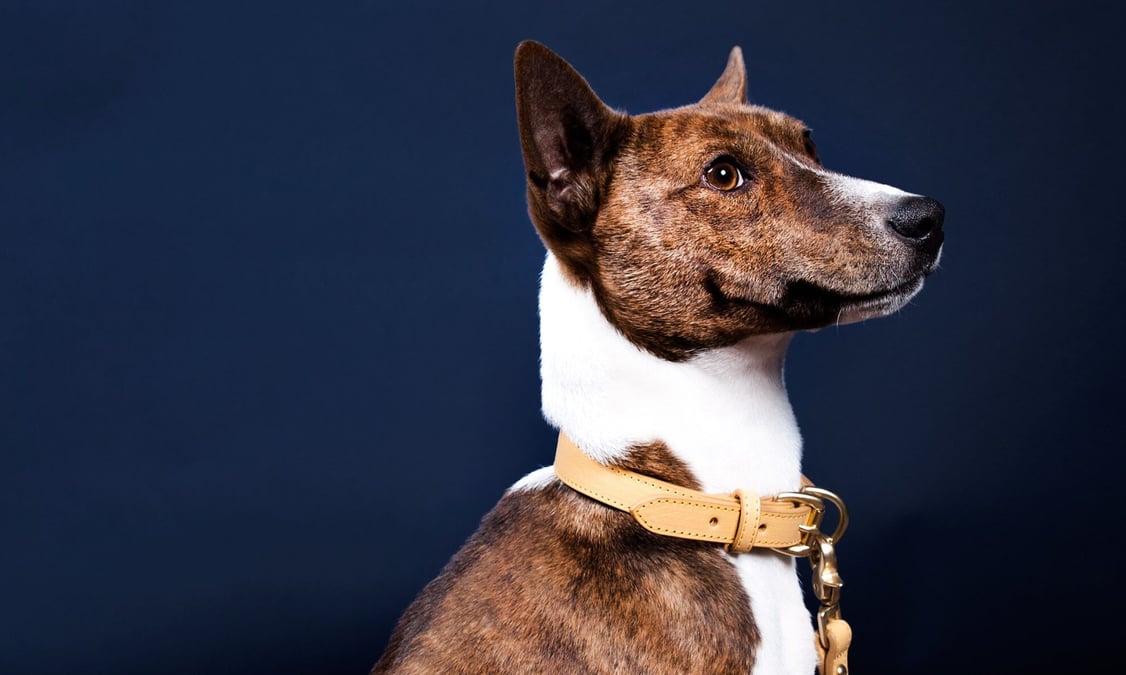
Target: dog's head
(700,226)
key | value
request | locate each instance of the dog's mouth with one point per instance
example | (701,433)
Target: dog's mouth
(804,305)
(826,307)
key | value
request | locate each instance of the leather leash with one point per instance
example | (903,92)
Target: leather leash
(788,523)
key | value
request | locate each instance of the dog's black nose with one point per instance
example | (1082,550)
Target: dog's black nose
(917,218)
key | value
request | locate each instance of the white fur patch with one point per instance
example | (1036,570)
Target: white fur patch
(852,190)
(540,478)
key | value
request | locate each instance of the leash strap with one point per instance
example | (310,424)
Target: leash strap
(788,523)
(833,659)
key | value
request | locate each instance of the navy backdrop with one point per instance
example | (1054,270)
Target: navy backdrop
(267,273)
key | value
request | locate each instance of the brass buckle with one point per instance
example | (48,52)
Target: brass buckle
(814,498)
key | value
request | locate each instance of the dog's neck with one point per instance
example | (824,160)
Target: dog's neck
(724,413)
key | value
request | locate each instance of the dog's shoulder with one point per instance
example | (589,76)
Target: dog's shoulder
(554,582)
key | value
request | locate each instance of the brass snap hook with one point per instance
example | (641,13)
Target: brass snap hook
(827,581)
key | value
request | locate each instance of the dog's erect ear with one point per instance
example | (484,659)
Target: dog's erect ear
(731,87)
(569,138)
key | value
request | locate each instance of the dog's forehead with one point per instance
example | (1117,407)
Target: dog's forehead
(695,132)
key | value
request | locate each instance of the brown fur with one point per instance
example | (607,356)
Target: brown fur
(554,582)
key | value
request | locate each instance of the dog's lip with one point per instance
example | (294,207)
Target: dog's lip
(868,299)
(879,304)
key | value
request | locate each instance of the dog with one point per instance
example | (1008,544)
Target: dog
(684,249)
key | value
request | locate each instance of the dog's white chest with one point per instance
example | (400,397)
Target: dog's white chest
(782,619)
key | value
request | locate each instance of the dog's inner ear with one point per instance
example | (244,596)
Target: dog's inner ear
(568,137)
(731,87)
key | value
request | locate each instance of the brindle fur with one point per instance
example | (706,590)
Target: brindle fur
(554,582)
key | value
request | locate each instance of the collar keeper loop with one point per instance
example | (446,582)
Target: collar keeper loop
(750,520)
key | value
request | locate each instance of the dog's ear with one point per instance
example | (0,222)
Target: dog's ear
(731,87)
(569,137)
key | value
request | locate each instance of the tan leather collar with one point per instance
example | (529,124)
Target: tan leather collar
(741,520)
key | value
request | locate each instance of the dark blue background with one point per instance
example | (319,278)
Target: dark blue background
(268,335)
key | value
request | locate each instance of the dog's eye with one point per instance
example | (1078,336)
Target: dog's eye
(723,174)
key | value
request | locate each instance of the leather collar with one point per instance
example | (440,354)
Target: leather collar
(741,520)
